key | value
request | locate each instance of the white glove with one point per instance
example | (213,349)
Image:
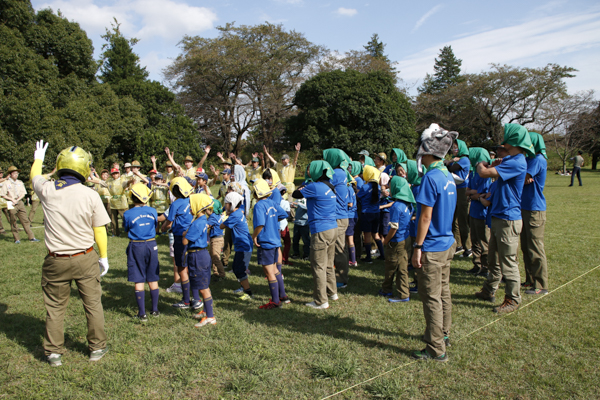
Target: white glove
(40,150)
(103,266)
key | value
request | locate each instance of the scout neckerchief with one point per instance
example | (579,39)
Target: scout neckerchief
(438,165)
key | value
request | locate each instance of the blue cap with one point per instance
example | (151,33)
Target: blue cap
(158,175)
(226,171)
(202,175)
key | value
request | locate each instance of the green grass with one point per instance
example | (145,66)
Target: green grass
(546,350)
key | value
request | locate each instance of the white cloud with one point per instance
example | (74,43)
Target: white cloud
(290,1)
(426,16)
(346,12)
(545,38)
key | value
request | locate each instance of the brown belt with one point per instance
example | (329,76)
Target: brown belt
(72,255)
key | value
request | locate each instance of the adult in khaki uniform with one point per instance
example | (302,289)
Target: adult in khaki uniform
(253,170)
(286,170)
(13,191)
(3,203)
(434,244)
(533,211)
(118,201)
(74,217)
(102,189)
(507,223)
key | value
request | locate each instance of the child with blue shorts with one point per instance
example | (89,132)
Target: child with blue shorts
(140,223)
(197,257)
(267,239)
(242,242)
(369,202)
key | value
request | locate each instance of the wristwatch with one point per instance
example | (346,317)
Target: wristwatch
(417,246)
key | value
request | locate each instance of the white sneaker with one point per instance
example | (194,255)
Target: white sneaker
(334,297)
(206,321)
(321,307)
(174,288)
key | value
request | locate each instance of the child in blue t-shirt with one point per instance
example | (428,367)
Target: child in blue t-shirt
(215,219)
(197,257)
(242,242)
(385,202)
(369,195)
(140,223)
(267,239)
(397,242)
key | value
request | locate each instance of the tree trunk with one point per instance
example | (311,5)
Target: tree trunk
(594,160)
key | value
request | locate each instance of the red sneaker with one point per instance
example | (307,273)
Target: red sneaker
(270,305)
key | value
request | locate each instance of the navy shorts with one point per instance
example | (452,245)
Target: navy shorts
(241,262)
(142,262)
(178,251)
(267,256)
(351,225)
(369,222)
(384,223)
(199,266)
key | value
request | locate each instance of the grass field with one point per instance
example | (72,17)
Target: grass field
(549,349)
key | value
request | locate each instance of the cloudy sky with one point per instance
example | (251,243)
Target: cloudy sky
(527,33)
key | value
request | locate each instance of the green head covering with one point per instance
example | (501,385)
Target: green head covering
(477,155)
(516,135)
(539,146)
(217,207)
(318,168)
(355,168)
(400,190)
(412,173)
(336,158)
(400,158)
(463,150)
(369,161)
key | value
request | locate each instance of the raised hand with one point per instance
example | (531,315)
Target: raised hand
(219,154)
(261,156)
(153,159)
(232,156)
(40,150)
(207,149)
(212,168)
(254,155)
(167,151)
(297,147)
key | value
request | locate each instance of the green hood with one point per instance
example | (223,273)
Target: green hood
(217,207)
(463,150)
(400,158)
(355,168)
(336,158)
(400,190)
(318,168)
(412,173)
(516,135)
(539,146)
(477,155)
(369,161)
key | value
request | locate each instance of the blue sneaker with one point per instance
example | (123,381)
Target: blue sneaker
(196,305)
(17,242)
(398,300)
(239,291)
(384,294)
(341,285)
(181,305)
(34,240)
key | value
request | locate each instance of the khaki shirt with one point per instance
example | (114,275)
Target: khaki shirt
(103,192)
(2,199)
(14,189)
(253,174)
(160,198)
(70,214)
(169,177)
(116,188)
(191,173)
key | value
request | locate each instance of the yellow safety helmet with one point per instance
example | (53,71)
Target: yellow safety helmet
(200,202)
(141,191)
(184,187)
(74,161)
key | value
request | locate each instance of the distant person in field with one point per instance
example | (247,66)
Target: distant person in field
(577,164)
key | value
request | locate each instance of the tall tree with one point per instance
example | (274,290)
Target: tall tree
(352,111)
(447,73)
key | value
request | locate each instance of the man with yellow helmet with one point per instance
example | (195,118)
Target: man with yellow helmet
(74,218)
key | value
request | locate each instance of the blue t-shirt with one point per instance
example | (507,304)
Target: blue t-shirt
(140,223)
(506,203)
(197,235)
(179,214)
(215,221)
(533,194)
(275,196)
(359,182)
(482,185)
(401,213)
(352,199)
(390,170)
(463,172)
(340,182)
(413,222)
(237,222)
(365,194)
(438,191)
(266,214)
(321,205)
(488,218)
(382,202)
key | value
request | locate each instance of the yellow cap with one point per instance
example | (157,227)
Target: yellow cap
(184,187)
(74,160)
(200,202)
(141,191)
(371,174)
(261,188)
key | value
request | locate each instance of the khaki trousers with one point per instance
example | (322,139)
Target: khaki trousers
(34,206)
(460,226)
(228,245)
(503,259)
(396,264)
(5,212)
(341,253)
(322,255)
(480,240)
(434,290)
(57,274)
(532,245)
(216,246)
(20,212)
(114,218)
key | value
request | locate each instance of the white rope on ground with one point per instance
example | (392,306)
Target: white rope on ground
(464,337)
